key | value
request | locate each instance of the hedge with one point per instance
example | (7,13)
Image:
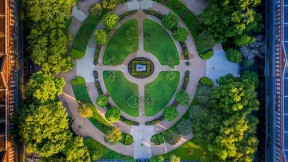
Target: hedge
(155,121)
(78,81)
(206,81)
(186,79)
(77,54)
(206,55)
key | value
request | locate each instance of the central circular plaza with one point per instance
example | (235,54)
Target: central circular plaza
(140,67)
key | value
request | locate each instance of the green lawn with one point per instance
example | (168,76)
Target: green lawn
(81,94)
(162,90)
(119,47)
(106,152)
(159,43)
(120,90)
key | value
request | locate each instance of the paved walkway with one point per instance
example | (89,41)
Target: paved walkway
(142,146)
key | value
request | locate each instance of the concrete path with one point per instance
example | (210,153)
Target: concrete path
(142,136)
(77,13)
(85,66)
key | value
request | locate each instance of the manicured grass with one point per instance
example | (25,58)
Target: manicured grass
(188,151)
(159,43)
(81,94)
(119,47)
(106,152)
(184,13)
(162,90)
(120,90)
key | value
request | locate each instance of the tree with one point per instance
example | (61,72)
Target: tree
(157,159)
(102,100)
(170,113)
(256,49)
(180,34)
(182,97)
(85,111)
(96,155)
(113,136)
(170,21)
(184,127)
(233,55)
(101,37)
(171,136)
(75,149)
(204,42)
(109,4)
(44,128)
(110,21)
(250,77)
(244,40)
(228,126)
(174,158)
(96,10)
(44,87)
(113,114)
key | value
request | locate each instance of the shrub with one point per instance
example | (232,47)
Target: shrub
(204,42)
(113,136)
(186,79)
(155,121)
(153,13)
(128,139)
(96,10)
(233,55)
(157,159)
(195,112)
(85,111)
(101,37)
(109,4)
(96,55)
(206,81)
(129,122)
(171,137)
(182,97)
(110,21)
(174,158)
(78,81)
(128,13)
(96,154)
(248,63)
(113,114)
(180,34)
(170,21)
(77,54)
(244,40)
(102,100)
(250,77)
(132,101)
(202,95)
(170,113)
(206,55)
(184,127)
(157,139)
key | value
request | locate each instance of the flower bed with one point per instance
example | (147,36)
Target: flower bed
(143,62)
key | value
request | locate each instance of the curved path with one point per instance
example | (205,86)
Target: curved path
(142,147)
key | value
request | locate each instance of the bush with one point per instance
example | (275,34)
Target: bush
(128,13)
(233,55)
(155,121)
(186,79)
(180,34)
(157,159)
(102,100)
(110,21)
(194,112)
(96,154)
(129,122)
(77,54)
(244,40)
(101,37)
(204,42)
(157,139)
(206,81)
(96,10)
(170,113)
(248,63)
(153,13)
(174,158)
(171,137)
(113,136)
(85,111)
(113,114)
(184,127)
(78,81)
(128,140)
(182,97)
(98,87)
(250,77)
(170,21)
(96,55)
(206,55)
(109,4)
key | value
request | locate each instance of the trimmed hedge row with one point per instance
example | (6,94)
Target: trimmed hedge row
(127,139)
(186,80)
(128,13)
(157,139)
(97,84)
(96,55)
(155,121)
(129,122)
(154,13)
(185,50)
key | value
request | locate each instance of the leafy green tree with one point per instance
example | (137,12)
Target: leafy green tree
(44,128)
(110,21)
(170,21)
(44,86)
(101,37)
(109,4)
(204,42)
(250,77)
(113,136)
(96,155)
(244,40)
(113,114)
(233,55)
(157,159)
(171,136)
(102,100)
(170,113)
(85,111)
(75,149)
(174,158)
(184,127)
(182,97)
(180,34)
(96,10)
